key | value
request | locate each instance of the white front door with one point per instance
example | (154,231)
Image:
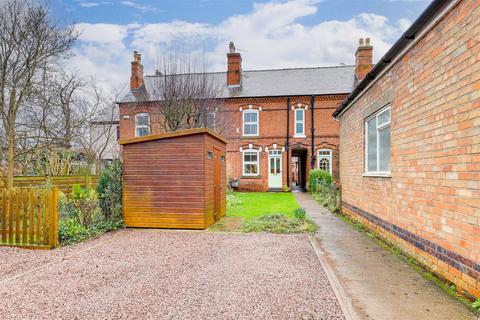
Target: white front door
(274,169)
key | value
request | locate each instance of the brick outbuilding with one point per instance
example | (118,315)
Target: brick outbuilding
(410,144)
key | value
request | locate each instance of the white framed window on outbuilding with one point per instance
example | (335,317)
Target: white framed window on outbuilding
(377,143)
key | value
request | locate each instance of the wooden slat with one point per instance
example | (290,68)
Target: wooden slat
(31,223)
(4,215)
(17,215)
(24,216)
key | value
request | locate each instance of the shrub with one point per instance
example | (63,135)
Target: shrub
(109,190)
(321,175)
(71,231)
(476,304)
(66,209)
(299,213)
(85,203)
(279,223)
(232,200)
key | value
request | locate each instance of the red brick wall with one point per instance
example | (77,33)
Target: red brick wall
(434,189)
(272,130)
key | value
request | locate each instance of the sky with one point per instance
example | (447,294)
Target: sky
(268,33)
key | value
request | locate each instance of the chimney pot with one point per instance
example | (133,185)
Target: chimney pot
(363,58)
(234,70)
(136,77)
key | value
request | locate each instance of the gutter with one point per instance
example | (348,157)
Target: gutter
(427,20)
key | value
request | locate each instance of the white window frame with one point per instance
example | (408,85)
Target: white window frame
(250,162)
(137,126)
(328,157)
(299,134)
(257,123)
(377,172)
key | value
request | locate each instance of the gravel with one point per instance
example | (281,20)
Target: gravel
(154,274)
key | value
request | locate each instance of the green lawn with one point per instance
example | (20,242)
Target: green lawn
(251,205)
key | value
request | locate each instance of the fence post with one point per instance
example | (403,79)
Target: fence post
(4,215)
(55,216)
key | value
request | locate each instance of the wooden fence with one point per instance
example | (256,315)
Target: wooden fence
(63,183)
(29,217)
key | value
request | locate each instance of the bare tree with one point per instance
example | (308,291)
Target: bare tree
(186,91)
(29,43)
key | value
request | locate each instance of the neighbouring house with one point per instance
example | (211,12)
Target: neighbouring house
(163,190)
(410,144)
(104,135)
(278,123)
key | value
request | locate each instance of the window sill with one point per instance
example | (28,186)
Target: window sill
(250,136)
(377,174)
(299,136)
(251,177)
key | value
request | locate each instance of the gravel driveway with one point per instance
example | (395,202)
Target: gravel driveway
(152,274)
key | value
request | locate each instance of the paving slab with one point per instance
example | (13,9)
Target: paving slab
(373,283)
(154,274)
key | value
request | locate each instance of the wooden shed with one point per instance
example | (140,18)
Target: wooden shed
(174,180)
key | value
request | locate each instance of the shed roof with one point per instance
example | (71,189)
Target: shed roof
(267,83)
(174,134)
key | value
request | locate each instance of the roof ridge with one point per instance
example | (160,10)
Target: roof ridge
(259,70)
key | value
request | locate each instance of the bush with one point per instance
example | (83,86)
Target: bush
(279,223)
(71,231)
(85,203)
(232,200)
(476,304)
(321,175)
(109,190)
(299,213)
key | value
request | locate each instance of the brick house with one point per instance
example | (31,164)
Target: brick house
(410,144)
(278,123)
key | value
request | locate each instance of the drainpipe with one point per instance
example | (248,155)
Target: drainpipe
(312,107)
(287,143)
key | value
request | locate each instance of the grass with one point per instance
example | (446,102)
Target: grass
(257,204)
(264,212)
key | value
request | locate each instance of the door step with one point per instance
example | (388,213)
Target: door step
(275,190)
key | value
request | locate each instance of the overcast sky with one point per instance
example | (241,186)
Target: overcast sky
(269,34)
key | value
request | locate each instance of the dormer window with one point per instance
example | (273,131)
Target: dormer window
(250,122)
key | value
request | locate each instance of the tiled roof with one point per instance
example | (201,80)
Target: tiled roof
(269,83)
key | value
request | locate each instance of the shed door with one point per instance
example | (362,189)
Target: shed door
(217,183)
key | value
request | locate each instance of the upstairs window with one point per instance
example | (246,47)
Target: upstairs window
(250,122)
(142,124)
(324,160)
(377,142)
(300,122)
(251,159)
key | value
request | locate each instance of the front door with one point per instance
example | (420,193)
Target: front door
(274,169)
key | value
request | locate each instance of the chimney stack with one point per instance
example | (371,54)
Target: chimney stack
(234,72)
(136,79)
(363,58)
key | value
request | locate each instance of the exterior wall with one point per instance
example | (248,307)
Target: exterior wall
(272,130)
(161,189)
(219,149)
(430,206)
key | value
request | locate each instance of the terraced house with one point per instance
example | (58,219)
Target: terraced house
(410,143)
(278,123)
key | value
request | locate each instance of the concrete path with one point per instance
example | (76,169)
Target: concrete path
(370,282)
